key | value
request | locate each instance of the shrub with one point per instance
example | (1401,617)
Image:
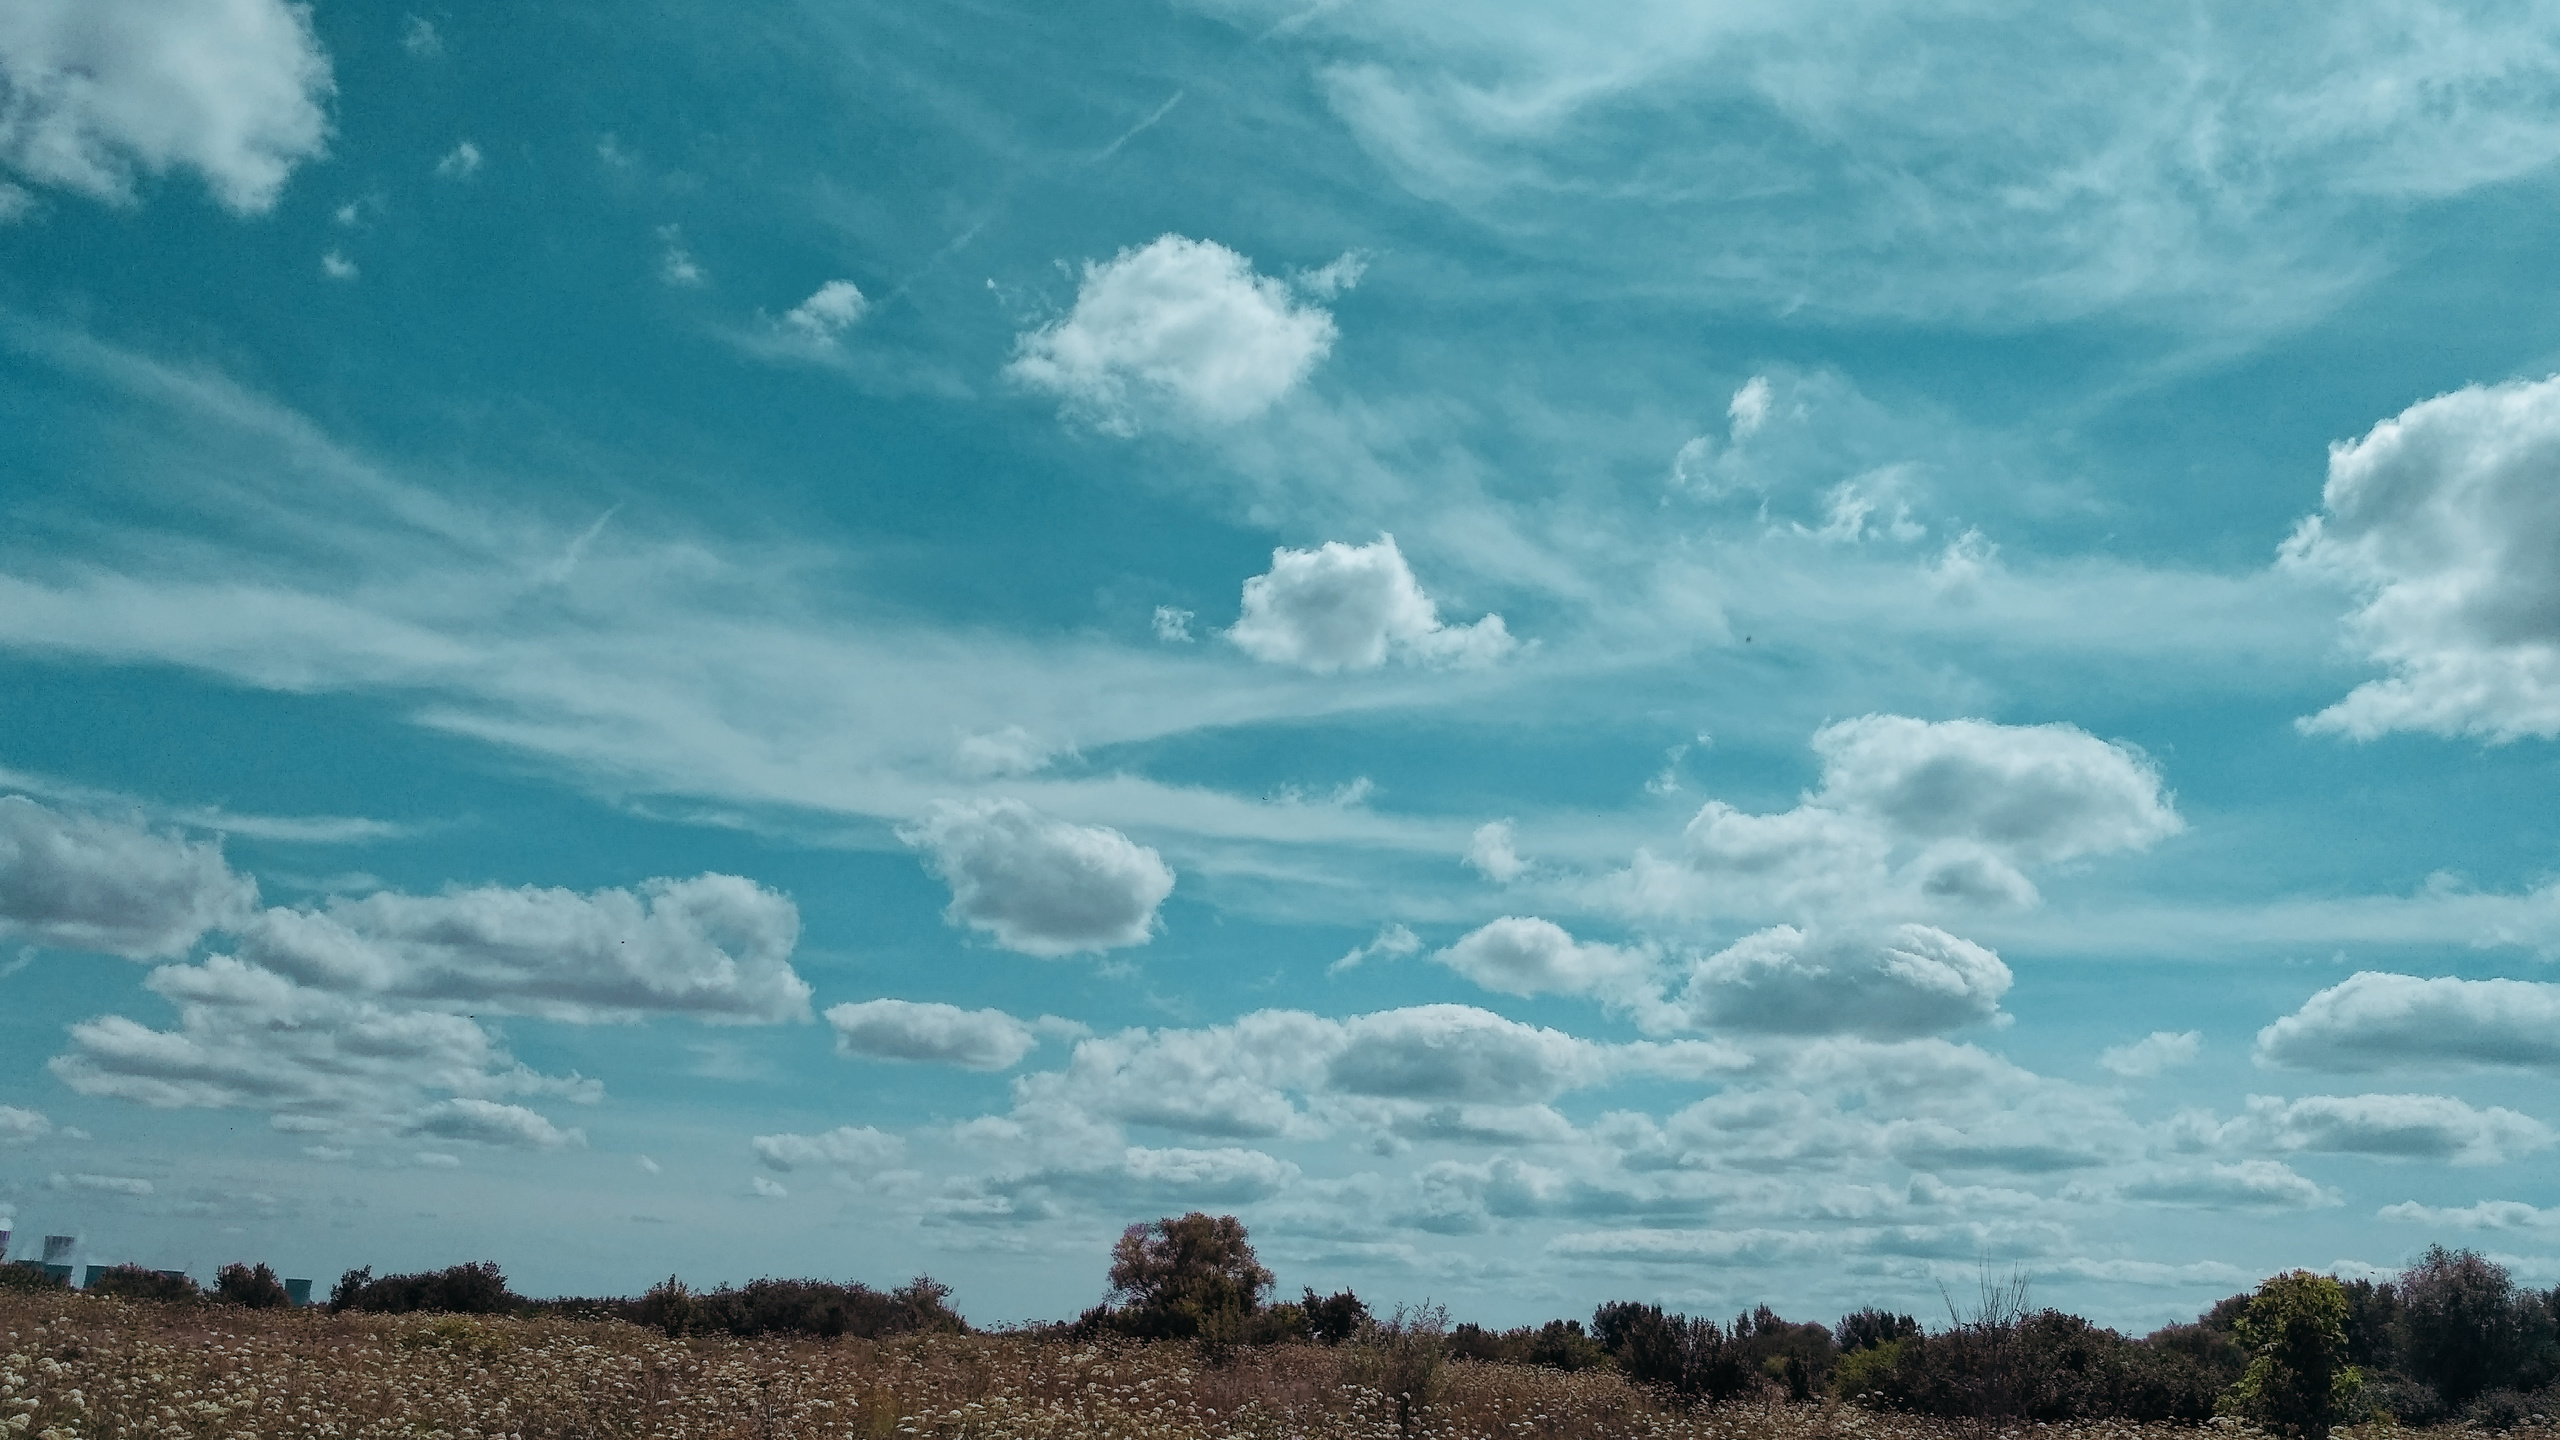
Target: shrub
(253,1286)
(133,1282)
(2500,1409)
(1866,1329)
(2298,1381)
(1556,1345)
(479,1289)
(1685,1357)
(1192,1277)
(2459,1327)
(1335,1318)
(28,1275)
(1405,1356)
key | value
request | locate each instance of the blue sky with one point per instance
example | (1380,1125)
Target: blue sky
(1714,654)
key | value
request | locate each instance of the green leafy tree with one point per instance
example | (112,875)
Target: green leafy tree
(1192,1276)
(2298,1382)
(254,1286)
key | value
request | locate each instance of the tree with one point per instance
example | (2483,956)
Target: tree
(2458,1325)
(1193,1276)
(2298,1381)
(132,1282)
(255,1287)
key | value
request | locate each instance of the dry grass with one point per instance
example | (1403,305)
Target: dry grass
(72,1366)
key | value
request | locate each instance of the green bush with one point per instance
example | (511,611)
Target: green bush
(28,1275)
(2298,1382)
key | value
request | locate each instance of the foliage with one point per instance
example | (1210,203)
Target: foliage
(817,1308)
(28,1275)
(133,1282)
(1193,1277)
(2298,1381)
(1681,1356)
(253,1286)
(2459,1327)
(1404,1357)
(1335,1318)
(479,1289)
(1556,1345)
(1864,1329)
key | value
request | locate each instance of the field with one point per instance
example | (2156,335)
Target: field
(98,1369)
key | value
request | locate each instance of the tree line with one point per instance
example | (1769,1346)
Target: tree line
(2452,1337)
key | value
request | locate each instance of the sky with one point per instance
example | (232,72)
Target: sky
(1705,653)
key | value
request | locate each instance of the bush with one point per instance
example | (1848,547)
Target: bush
(2501,1410)
(1335,1318)
(1684,1357)
(1556,1345)
(2459,1326)
(1866,1329)
(460,1290)
(2298,1381)
(253,1286)
(132,1282)
(28,1275)
(1405,1356)
(1192,1277)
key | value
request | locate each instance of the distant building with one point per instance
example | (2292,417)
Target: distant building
(298,1291)
(58,1248)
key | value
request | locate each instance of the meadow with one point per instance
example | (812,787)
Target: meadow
(100,1368)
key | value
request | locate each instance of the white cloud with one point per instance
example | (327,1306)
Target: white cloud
(2396,1127)
(647,1165)
(846,1147)
(1490,853)
(1520,955)
(767,1188)
(1178,328)
(834,308)
(716,947)
(1932,813)
(2037,175)
(2248,1185)
(675,263)
(2486,1215)
(1911,981)
(17,1126)
(1004,754)
(75,882)
(931,1033)
(459,163)
(1393,941)
(2160,1050)
(492,1123)
(1173,624)
(1040,885)
(2443,520)
(337,266)
(94,91)
(105,1184)
(1354,607)
(2375,1020)
(1749,408)
(436,1160)
(418,36)
(1458,1053)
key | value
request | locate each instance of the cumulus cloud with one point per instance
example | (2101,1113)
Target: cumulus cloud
(676,264)
(459,163)
(95,92)
(1040,885)
(716,947)
(1913,980)
(2160,1050)
(1523,955)
(1177,329)
(74,882)
(1920,812)
(2486,1215)
(492,1123)
(1445,1069)
(251,1038)
(1490,853)
(1392,941)
(931,1033)
(833,309)
(17,1126)
(1004,754)
(2248,1185)
(2375,1020)
(849,1147)
(1354,607)
(766,1188)
(2394,1127)
(2443,520)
